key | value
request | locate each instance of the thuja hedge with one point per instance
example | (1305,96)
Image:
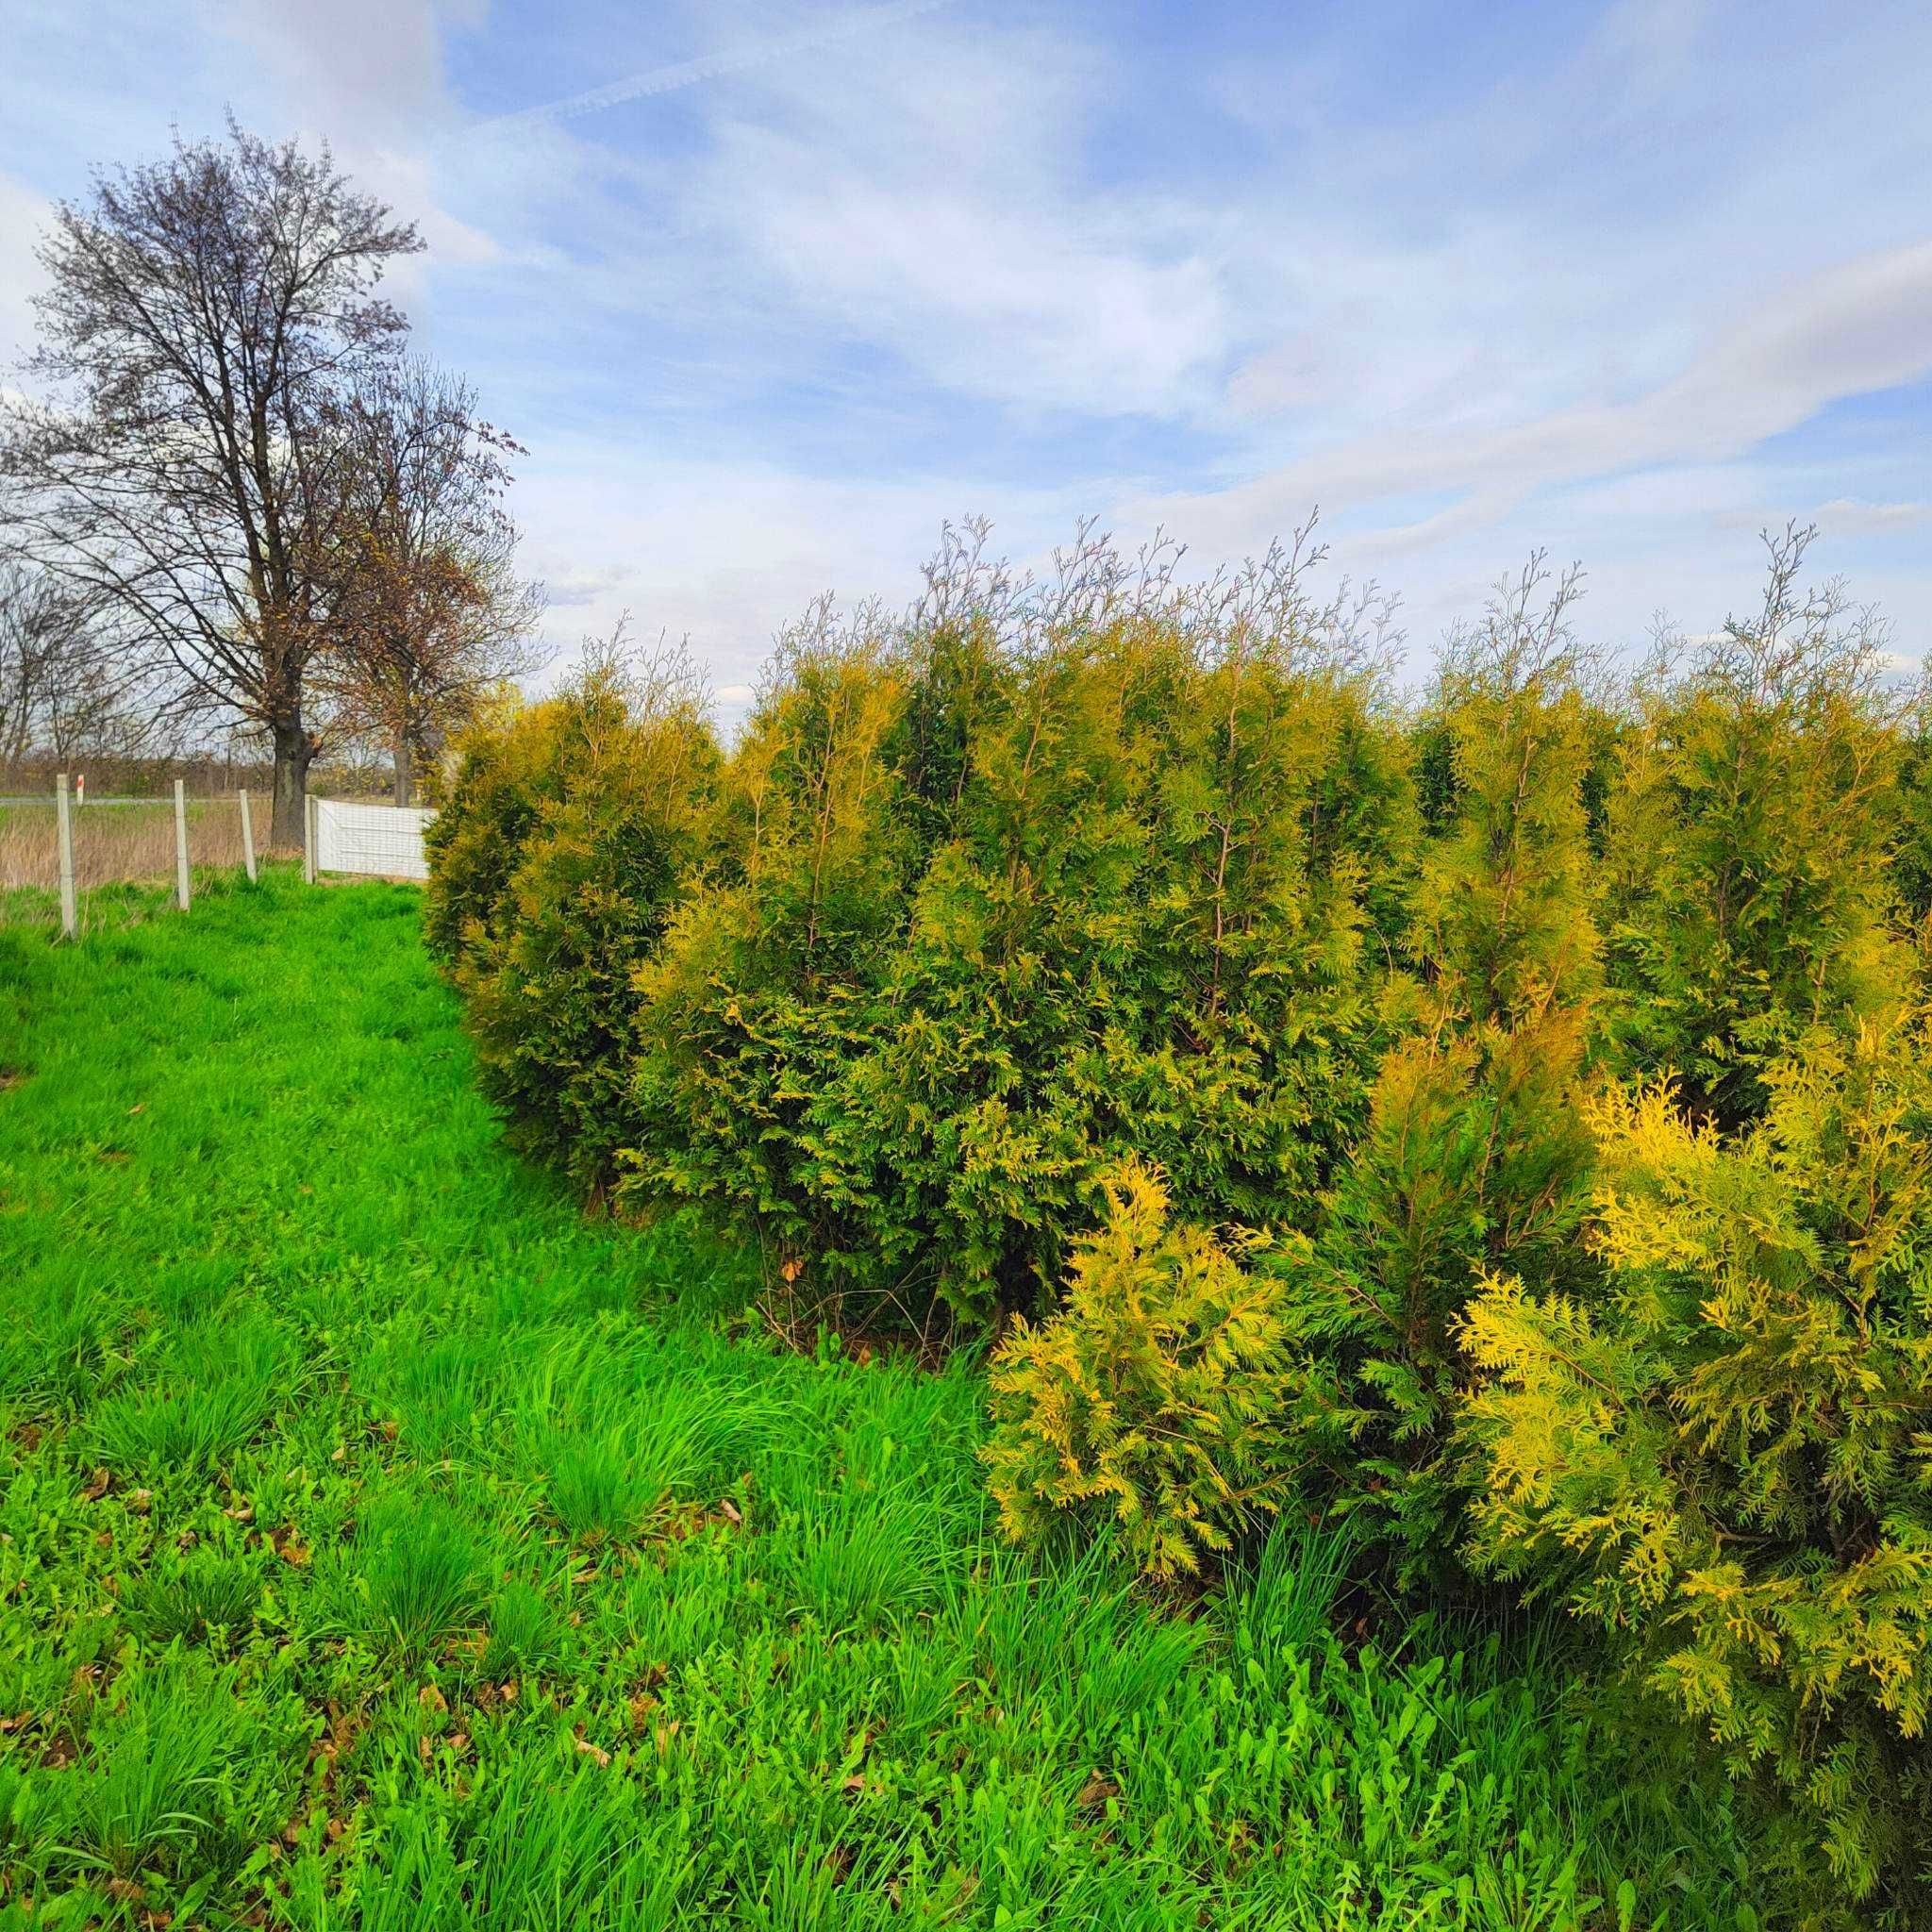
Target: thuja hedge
(981,902)
(1498,1116)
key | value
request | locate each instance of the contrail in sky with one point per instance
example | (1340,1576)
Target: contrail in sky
(664,80)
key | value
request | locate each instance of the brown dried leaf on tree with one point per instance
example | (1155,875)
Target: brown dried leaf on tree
(429,617)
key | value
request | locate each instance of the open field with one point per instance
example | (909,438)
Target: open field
(115,842)
(381,1545)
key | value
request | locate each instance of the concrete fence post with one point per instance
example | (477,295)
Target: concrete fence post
(247,836)
(70,922)
(311,831)
(181,844)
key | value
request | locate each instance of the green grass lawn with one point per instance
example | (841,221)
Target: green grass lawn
(382,1544)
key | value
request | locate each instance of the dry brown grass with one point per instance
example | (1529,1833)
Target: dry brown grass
(117,843)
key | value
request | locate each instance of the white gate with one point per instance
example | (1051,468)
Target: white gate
(384,840)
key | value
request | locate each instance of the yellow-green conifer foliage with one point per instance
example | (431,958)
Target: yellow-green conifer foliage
(1475,1155)
(506,764)
(570,834)
(1911,840)
(1037,877)
(751,1010)
(1725,1458)
(1747,894)
(1151,1401)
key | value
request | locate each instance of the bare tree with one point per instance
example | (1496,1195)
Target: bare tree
(63,694)
(428,614)
(205,313)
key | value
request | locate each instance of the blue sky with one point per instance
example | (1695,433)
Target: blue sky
(771,288)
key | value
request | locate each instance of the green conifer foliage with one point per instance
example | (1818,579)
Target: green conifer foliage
(1048,874)
(1726,1460)
(606,791)
(507,767)
(1150,1401)
(1477,1155)
(1746,890)
(1912,841)
(765,988)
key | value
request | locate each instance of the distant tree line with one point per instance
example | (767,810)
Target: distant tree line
(231,500)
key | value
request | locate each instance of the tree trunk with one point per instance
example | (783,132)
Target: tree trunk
(405,771)
(290,786)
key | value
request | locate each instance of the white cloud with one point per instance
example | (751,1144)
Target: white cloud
(725,553)
(935,203)
(1847,515)
(1860,327)
(1016,306)
(368,76)
(358,70)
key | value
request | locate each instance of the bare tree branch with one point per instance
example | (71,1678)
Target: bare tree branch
(204,315)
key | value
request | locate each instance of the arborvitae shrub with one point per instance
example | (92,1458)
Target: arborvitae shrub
(507,766)
(1475,1155)
(1746,891)
(765,988)
(1726,1460)
(1912,841)
(568,836)
(1150,1402)
(1043,878)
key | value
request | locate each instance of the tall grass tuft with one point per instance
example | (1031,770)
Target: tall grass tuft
(418,1573)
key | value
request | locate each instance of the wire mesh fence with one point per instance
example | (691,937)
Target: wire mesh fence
(124,847)
(115,841)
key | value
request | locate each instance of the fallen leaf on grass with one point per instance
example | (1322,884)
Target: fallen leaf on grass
(731,1513)
(587,1749)
(430,1698)
(99,1485)
(1096,1792)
